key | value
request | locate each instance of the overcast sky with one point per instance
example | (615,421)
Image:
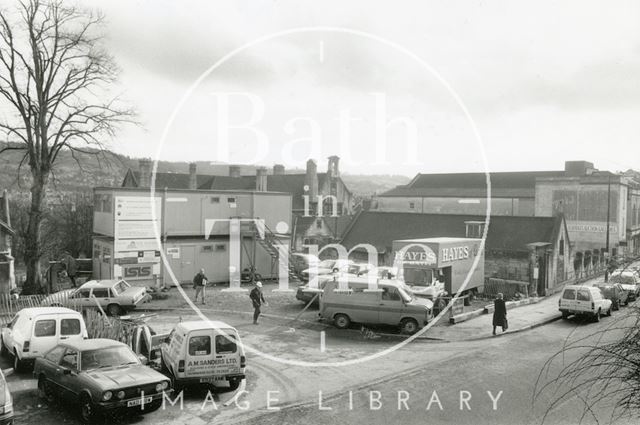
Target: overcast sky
(544,81)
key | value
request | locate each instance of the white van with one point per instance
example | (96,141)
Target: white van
(583,301)
(204,352)
(392,304)
(34,331)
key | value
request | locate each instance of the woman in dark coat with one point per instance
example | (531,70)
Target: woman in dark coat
(499,314)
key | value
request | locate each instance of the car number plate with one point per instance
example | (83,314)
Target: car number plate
(214,379)
(138,401)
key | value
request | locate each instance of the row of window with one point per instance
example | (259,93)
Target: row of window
(45,328)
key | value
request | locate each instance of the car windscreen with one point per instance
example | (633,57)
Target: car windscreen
(406,296)
(418,277)
(326,264)
(120,287)
(107,357)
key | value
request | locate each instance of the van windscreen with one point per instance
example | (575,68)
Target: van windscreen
(225,344)
(200,345)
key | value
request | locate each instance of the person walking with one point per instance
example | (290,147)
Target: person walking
(199,284)
(499,314)
(70,267)
(257,298)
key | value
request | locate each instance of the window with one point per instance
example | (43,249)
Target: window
(225,344)
(82,293)
(200,345)
(69,327)
(45,328)
(390,294)
(561,248)
(232,202)
(101,292)
(207,248)
(55,354)
(569,294)
(318,224)
(474,229)
(220,247)
(412,205)
(70,360)
(583,295)
(215,199)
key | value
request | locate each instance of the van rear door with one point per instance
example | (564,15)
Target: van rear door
(71,328)
(228,348)
(44,334)
(568,299)
(583,300)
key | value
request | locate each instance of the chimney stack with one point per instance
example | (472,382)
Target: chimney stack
(311,180)
(144,166)
(261,179)
(333,170)
(278,170)
(193,176)
(234,171)
(578,168)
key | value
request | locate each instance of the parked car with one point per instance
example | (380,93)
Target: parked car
(116,297)
(614,292)
(630,281)
(204,352)
(394,304)
(6,402)
(34,331)
(101,376)
(327,267)
(300,262)
(583,300)
(305,294)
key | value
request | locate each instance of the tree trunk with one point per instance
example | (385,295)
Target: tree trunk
(32,252)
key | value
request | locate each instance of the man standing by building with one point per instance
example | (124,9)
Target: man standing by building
(199,284)
(257,298)
(70,267)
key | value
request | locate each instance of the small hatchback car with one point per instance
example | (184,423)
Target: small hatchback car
(101,376)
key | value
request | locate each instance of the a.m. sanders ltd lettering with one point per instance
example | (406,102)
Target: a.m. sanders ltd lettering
(455,253)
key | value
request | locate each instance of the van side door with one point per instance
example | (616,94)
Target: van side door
(391,306)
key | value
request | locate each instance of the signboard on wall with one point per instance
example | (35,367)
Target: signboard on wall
(137,222)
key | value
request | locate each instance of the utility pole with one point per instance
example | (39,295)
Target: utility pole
(606,272)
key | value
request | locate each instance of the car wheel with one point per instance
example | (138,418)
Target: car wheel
(596,318)
(565,315)
(114,310)
(17,363)
(615,305)
(409,326)
(88,412)
(45,391)
(234,384)
(341,321)
(609,312)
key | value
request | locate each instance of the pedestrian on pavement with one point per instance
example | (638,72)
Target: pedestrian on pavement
(257,298)
(199,284)
(499,314)
(70,267)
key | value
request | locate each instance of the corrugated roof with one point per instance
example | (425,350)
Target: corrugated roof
(509,233)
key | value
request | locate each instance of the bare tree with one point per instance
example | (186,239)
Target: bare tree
(54,77)
(601,369)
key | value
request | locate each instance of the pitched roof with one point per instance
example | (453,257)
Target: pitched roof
(503,184)
(336,225)
(510,233)
(289,183)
